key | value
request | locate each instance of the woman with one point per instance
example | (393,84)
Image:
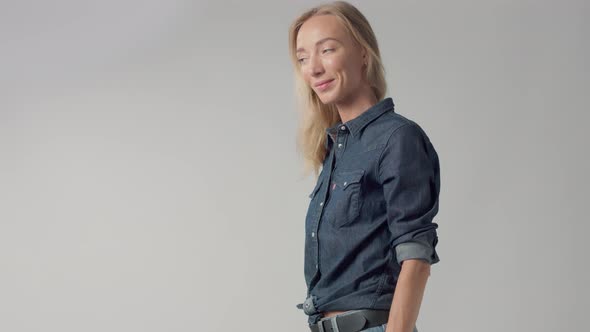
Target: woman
(369,235)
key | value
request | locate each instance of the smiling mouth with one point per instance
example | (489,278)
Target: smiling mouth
(325,85)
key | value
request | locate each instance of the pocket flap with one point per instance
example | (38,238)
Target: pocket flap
(345,178)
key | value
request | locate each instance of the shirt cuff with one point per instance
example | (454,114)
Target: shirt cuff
(416,250)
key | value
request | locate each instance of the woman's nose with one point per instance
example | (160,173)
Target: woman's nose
(316,66)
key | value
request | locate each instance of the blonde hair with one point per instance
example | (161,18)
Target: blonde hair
(315,116)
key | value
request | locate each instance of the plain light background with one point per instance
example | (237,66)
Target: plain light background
(149,179)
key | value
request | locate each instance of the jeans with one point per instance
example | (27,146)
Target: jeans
(381,328)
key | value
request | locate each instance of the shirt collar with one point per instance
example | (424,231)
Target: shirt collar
(357,124)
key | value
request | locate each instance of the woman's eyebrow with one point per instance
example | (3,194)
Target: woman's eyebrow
(319,42)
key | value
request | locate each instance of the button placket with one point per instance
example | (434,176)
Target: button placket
(341,139)
(323,196)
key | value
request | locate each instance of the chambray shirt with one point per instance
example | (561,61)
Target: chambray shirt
(372,208)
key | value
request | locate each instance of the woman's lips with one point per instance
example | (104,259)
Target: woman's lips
(324,86)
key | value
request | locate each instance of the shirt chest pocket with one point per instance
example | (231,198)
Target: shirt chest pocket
(345,197)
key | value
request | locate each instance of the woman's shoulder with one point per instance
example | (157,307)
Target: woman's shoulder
(394,122)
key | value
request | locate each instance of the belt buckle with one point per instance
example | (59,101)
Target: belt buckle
(321,326)
(332,320)
(334,323)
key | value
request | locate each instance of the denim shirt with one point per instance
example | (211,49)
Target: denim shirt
(372,208)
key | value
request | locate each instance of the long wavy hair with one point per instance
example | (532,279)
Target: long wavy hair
(314,116)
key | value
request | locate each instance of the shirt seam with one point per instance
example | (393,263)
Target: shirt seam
(379,160)
(382,280)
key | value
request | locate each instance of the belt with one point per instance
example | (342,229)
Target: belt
(353,321)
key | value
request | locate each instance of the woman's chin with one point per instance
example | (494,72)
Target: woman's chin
(327,97)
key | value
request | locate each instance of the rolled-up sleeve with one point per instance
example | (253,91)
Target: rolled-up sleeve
(409,173)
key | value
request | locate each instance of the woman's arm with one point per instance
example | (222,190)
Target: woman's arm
(408,295)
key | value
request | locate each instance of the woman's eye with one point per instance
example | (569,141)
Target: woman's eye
(300,60)
(328,49)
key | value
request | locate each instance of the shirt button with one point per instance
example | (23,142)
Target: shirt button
(322,204)
(312,234)
(345,183)
(339,145)
(316,266)
(343,128)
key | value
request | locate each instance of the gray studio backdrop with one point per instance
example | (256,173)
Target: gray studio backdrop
(149,179)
